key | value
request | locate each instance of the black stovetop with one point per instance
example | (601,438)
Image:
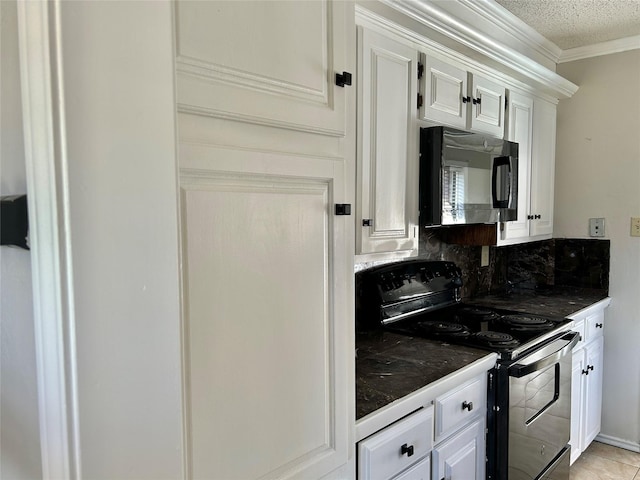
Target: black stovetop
(496,330)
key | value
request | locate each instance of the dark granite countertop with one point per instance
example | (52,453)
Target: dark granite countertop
(550,301)
(390,366)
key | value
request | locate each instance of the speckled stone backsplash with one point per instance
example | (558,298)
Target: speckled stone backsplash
(581,263)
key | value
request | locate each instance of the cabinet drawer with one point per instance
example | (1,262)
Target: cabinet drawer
(460,406)
(594,326)
(580,329)
(397,447)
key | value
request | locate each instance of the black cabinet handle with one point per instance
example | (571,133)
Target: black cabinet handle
(343,79)
(466,99)
(408,449)
(536,217)
(598,325)
(467,406)
(476,101)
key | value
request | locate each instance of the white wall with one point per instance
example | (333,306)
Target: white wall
(20,453)
(598,175)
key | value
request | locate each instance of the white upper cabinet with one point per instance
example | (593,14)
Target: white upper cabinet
(487,106)
(387,139)
(520,130)
(456,97)
(532,124)
(543,164)
(285,76)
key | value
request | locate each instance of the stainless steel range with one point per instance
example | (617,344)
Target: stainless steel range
(529,390)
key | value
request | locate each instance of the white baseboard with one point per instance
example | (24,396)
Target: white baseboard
(618,442)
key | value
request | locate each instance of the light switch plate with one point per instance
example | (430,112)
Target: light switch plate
(596,227)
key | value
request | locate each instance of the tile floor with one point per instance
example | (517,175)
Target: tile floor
(604,462)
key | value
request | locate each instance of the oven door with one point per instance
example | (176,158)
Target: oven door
(540,408)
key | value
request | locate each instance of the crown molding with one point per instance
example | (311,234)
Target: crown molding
(598,49)
(514,27)
(432,15)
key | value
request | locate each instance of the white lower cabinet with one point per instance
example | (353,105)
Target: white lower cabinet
(399,446)
(461,457)
(445,440)
(586,386)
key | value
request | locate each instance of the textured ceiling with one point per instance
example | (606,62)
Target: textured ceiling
(577,23)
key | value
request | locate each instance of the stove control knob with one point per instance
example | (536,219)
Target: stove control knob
(456,281)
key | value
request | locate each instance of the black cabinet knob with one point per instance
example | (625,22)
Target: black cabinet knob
(408,449)
(343,79)
(598,325)
(467,406)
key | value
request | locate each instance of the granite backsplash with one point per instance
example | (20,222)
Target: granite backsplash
(560,262)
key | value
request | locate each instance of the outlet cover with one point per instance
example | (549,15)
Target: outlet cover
(596,227)
(635,226)
(484,256)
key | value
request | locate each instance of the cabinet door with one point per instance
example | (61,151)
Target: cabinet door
(444,90)
(543,168)
(488,106)
(285,76)
(420,471)
(520,127)
(387,177)
(267,302)
(462,457)
(577,397)
(593,391)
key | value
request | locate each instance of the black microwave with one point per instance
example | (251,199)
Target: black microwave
(466,178)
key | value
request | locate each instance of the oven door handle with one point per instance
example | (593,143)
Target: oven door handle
(565,345)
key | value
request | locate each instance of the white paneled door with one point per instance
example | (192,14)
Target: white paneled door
(265,324)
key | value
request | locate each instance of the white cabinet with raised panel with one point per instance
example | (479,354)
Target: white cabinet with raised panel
(586,386)
(531,123)
(543,162)
(387,214)
(456,97)
(443,439)
(462,456)
(265,154)
(264,63)
(406,443)
(459,453)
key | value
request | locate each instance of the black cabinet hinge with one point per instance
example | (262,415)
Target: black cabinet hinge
(343,79)
(420,70)
(420,100)
(343,209)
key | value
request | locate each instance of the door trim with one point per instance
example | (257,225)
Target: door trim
(47,186)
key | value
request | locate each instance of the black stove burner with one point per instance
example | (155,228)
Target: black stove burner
(495,339)
(477,313)
(447,329)
(526,323)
